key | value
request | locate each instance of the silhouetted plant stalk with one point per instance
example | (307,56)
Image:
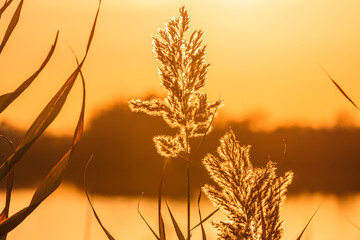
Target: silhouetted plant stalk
(40,124)
(251,197)
(182,73)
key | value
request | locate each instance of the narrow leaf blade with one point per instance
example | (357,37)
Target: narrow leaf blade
(4,7)
(50,183)
(110,237)
(205,219)
(208,128)
(13,22)
(143,218)
(179,234)
(203,234)
(308,222)
(340,89)
(47,116)
(9,186)
(352,223)
(93,29)
(44,119)
(8,98)
(54,178)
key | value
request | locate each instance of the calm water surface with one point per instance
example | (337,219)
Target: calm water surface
(66,216)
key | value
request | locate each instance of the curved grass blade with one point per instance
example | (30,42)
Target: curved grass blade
(352,223)
(88,221)
(179,234)
(203,234)
(110,237)
(13,22)
(92,30)
(143,218)
(308,222)
(4,7)
(208,128)
(54,178)
(340,89)
(9,186)
(8,98)
(50,183)
(47,116)
(205,219)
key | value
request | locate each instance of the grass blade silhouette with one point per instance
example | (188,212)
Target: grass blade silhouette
(208,128)
(5,6)
(110,237)
(143,218)
(340,89)
(179,234)
(54,178)
(308,222)
(13,22)
(49,113)
(45,118)
(204,220)
(352,223)
(50,183)
(203,234)
(9,186)
(92,30)
(8,98)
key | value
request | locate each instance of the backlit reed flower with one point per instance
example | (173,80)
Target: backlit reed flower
(251,197)
(182,73)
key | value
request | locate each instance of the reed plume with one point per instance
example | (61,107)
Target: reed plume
(182,73)
(186,108)
(251,197)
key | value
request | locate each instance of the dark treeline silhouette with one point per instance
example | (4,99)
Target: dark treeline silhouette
(125,160)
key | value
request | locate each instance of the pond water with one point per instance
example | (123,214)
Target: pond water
(67,215)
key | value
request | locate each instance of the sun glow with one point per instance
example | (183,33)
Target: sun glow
(264,54)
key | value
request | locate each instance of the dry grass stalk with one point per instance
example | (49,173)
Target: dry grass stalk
(182,73)
(251,197)
(186,108)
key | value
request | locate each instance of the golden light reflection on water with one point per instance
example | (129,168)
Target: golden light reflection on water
(63,216)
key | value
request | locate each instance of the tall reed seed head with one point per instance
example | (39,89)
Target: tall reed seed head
(251,197)
(182,73)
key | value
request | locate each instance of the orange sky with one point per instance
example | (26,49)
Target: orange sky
(265,56)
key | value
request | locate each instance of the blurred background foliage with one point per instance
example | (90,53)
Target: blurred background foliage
(125,160)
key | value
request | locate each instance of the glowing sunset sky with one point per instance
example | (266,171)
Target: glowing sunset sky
(264,55)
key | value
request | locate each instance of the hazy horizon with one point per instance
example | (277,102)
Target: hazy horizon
(258,120)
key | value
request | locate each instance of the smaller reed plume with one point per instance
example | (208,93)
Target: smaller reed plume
(251,197)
